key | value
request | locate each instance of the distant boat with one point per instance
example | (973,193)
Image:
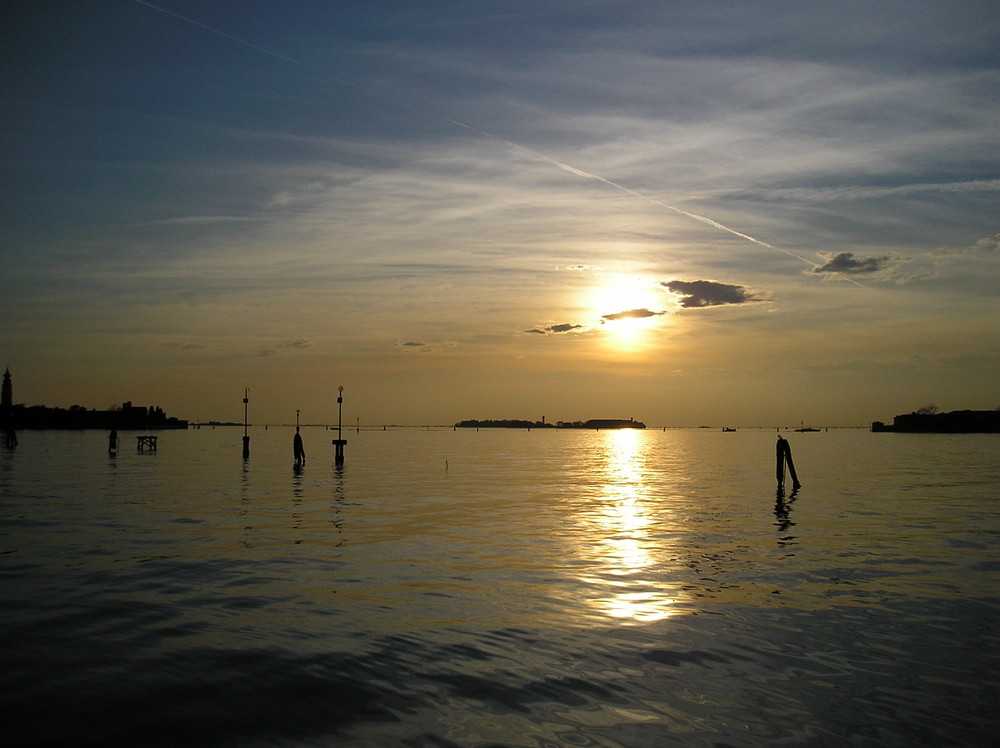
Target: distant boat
(726,428)
(806,428)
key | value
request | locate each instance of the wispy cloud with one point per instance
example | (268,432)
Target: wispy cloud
(300,344)
(970,269)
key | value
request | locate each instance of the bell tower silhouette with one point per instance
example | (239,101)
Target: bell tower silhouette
(7,398)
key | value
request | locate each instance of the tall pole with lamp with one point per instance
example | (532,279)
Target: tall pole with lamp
(339,442)
(246,439)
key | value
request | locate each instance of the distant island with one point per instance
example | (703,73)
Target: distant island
(128,416)
(594,423)
(77,417)
(929,421)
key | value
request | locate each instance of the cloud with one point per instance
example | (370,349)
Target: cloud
(972,268)
(555,329)
(701,293)
(847,264)
(185,346)
(422,346)
(989,244)
(301,344)
(631,314)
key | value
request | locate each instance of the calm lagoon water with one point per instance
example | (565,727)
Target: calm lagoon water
(500,588)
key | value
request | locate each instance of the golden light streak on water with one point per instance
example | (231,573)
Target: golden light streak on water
(626,522)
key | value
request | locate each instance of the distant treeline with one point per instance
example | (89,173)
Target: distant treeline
(503,424)
(594,423)
(78,417)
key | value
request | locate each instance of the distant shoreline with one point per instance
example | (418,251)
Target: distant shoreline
(953,422)
(594,423)
(78,418)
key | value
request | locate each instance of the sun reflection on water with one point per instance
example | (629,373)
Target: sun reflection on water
(625,548)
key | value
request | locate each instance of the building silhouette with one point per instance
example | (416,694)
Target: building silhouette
(77,417)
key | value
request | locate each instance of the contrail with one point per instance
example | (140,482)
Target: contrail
(236,39)
(514,146)
(628,190)
(257,48)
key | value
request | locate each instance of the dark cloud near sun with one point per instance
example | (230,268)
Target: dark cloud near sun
(846,263)
(424,346)
(554,329)
(702,293)
(631,314)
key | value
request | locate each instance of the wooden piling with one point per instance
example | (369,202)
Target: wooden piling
(783,456)
(779,461)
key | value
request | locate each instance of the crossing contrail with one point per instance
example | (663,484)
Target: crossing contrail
(514,146)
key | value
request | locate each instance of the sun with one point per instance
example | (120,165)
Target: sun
(627,307)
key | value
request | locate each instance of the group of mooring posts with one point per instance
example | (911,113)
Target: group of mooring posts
(298,450)
(783,456)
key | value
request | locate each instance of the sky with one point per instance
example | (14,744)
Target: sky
(687,213)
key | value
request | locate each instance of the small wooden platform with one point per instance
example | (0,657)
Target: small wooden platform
(142,442)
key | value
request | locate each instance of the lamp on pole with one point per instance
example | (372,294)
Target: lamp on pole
(297,449)
(339,442)
(246,439)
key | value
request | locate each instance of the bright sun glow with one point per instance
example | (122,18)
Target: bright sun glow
(627,306)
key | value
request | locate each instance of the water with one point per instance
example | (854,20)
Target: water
(514,588)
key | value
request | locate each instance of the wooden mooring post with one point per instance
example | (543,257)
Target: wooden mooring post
(783,456)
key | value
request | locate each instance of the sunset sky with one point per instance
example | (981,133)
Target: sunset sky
(724,213)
